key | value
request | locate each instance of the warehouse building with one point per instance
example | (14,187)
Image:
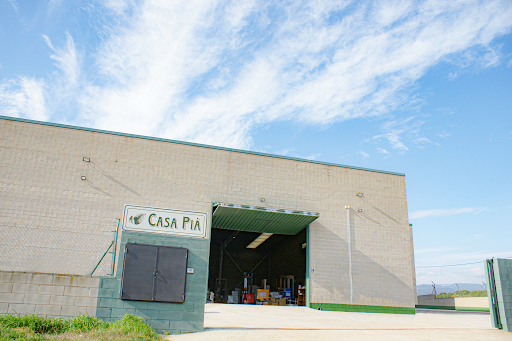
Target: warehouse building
(107,223)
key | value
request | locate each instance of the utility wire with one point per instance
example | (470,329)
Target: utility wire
(443,266)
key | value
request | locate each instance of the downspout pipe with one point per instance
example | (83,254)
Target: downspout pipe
(114,255)
(349,245)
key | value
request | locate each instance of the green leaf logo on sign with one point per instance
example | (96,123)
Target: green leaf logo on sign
(137,219)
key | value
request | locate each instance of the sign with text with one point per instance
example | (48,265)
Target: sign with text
(161,220)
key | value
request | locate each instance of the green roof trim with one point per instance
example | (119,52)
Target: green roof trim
(192,144)
(260,219)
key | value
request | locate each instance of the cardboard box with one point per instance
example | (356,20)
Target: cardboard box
(261,294)
(281,301)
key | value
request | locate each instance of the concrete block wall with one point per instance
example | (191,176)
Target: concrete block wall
(42,186)
(48,295)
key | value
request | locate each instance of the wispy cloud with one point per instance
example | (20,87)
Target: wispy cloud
(446,212)
(284,151)
(470,273)
(396,130)
(477,236)
(434,250)
(53,4)
(290,152)
(313,156)
(213,71)
(453,75)
(363,154)
(13,4)
(65,59)
(394,138)
(24,96)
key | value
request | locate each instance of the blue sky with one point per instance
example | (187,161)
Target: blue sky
(418,87)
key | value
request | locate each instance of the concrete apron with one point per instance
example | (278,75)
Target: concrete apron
(250,322)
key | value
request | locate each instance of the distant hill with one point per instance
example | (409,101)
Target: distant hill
(426,289)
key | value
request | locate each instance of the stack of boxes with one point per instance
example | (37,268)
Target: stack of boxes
(276,299)
(262,296)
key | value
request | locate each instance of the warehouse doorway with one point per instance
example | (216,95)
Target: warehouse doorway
(254,249)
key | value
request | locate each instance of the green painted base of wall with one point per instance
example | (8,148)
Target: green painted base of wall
(161,316)
(419,306)
(363,308)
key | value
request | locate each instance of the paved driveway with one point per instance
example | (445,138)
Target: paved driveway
(251,322)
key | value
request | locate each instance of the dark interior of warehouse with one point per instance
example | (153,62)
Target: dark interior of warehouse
(273,272)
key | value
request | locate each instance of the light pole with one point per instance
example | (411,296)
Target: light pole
(458,288)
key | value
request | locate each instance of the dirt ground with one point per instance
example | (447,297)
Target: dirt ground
(252,322)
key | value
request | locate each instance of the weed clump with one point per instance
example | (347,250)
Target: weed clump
(36,324)
(82,327)
(134,325)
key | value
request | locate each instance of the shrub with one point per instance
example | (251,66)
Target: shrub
(131,324)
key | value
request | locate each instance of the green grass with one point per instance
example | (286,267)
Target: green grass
(83,327)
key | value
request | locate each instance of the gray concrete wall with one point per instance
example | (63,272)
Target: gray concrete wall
(42,189)
(456,303)
(48,295)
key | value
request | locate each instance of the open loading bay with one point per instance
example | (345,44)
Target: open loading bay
(258,256)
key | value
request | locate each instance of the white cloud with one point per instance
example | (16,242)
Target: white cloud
(206,73)
(23,97)
(433,250)
(289,152)
(210,71)
(13,4)
(382,151)
(398,130)
(394,139)
(284,151)
(422,140)
(477,236)
(453,75)
(492,57)
(53,4)
(446,212)
(365,155)
(313,156)
(468,273)
(65,59)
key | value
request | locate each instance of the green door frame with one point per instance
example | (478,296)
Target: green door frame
(308,271)
(308,254)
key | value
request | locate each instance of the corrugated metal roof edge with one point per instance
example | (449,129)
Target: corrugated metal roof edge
(266,209)
(193,144)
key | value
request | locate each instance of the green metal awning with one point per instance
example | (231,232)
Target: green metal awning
(260,219)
